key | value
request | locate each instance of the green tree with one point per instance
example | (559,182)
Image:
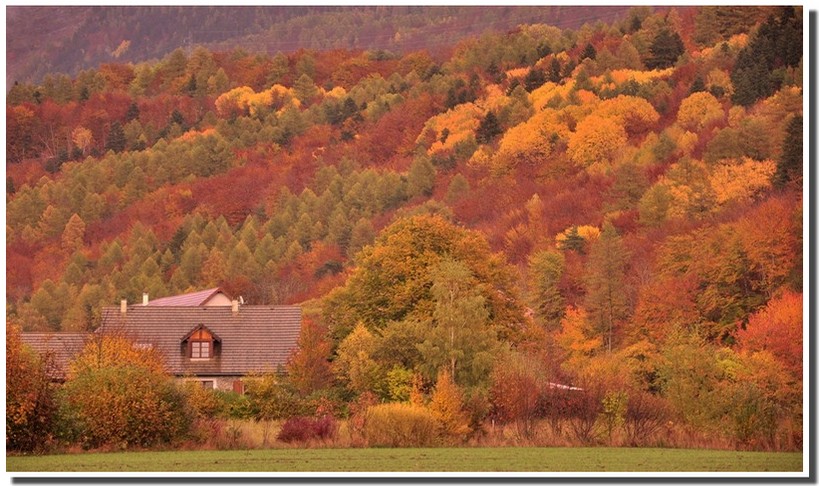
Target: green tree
(421,177)
(393,280)
(460,339)
(488,129)
(305,89)
(545,270)
(354,364)
(790,164)
(73,234)
(606,292)
(458,188)
(666,47)
(589,52)
(116,138)
(362,234)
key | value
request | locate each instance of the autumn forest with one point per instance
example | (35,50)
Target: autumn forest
(472,231)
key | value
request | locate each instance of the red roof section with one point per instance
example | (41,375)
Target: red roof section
(185,300)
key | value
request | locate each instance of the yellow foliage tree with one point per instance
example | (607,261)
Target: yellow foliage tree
(596,141)
(531,141)
(449,128)
(636,114)
(739,181)
(82,138)
(698,110)
(113,350)
(577,338)
(446,404)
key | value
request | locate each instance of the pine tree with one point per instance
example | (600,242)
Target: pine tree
(488,129)
(116,138)
(606,294)
(666,47)
(534,79)
(545,271)
(554,71)
(589,52)
(790,165)
(72,238)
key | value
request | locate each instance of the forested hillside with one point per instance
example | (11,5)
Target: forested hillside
(41,41)
(617,207)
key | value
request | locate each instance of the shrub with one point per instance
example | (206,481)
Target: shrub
(118,395)
(304,429)
(123,406)
(400,425)
(645,414)
(29,396)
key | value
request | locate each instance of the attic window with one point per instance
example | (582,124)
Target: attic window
(200,344)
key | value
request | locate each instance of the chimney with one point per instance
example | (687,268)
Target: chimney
(145,298)
(235,306)
(123,306)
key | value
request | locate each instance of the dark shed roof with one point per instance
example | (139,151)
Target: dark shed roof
(256,339)
(62,347)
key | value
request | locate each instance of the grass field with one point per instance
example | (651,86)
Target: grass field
(506,459)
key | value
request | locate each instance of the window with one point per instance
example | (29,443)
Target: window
(200,349)
(207,384)
(201,344)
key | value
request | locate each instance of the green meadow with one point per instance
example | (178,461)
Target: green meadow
(505,459)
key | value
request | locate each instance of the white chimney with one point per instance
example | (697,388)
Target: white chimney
(123,306)
(145,298)
(235,306)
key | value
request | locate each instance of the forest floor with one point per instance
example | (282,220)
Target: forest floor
(478,459)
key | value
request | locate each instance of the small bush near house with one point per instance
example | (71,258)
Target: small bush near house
(118,395)
(400,425)
(305,429)
(30,403)
(123,406)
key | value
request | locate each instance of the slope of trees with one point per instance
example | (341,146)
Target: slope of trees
(610,205)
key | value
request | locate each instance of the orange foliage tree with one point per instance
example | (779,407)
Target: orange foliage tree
(596,141)
(777,328)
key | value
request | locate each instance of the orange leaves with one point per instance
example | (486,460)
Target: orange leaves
(777,328)
(577,337)
(741,180)
(636,114)
(596,141)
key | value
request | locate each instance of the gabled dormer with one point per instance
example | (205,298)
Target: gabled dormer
(201,344)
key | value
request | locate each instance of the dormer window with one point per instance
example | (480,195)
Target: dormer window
(201,344)
(201,349)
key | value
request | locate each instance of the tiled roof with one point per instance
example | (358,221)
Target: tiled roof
(192,299)
(256,339)
(62,346)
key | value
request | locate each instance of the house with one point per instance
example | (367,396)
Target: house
(203,336)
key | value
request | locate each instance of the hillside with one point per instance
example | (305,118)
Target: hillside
(67,40)
(620,203)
